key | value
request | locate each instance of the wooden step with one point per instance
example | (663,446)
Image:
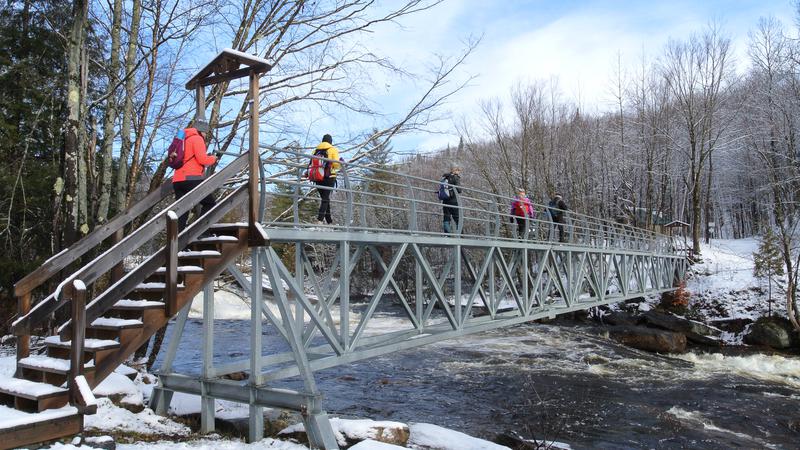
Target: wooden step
(113,323)
(142,310)
(153,291)
(31,396)
(20,429)
(154,287)
(93,349)
(213,242)
(137,305)
(114,328)
(182,270)
(227,228)
(198,254)
(47,369)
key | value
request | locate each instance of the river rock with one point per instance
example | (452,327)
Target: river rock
(649,339)
(620,318)
(770,332)
(695,331)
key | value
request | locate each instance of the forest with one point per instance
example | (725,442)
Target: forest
(92,93)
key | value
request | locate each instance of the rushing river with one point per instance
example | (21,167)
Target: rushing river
(564,383)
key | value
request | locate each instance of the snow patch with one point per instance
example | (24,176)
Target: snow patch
(425,436)
(110,418)
(117,384)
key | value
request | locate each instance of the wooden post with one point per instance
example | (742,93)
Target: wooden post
(23,340)
(200,100)
(118,270)
(171,258)
(77,337)
(254,239)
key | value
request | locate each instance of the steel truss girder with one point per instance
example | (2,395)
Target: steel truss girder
(541,280)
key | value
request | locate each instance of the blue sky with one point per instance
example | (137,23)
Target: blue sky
(573,42)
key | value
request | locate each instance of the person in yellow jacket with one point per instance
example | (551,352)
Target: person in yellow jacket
(325,186)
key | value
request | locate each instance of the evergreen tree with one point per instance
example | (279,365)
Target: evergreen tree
(32,86)
(767,262)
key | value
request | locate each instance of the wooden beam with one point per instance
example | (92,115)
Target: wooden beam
(77,339)
(171,256)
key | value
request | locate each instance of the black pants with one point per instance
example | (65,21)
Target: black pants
(182,188)
(325,199)
(522,222)
(559,222)
(449,211)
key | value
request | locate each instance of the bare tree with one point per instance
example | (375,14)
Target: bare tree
(699,75)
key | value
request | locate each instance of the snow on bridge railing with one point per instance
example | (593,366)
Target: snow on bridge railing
(380,200)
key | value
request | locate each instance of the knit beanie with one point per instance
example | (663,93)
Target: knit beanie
(327,138)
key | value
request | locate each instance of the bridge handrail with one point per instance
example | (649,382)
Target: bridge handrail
(349,165)
(585,228)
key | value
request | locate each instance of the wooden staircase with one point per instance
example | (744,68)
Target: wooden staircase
(50,392)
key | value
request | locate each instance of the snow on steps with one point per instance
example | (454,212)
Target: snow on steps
(113,322)
(182,269)
(12,418)
(28,389)
(49,364)
(88,344)
(137,304)
(218,239)
(199,254)
(154,286)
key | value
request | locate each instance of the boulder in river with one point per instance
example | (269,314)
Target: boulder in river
(620,318)
(695,331)
(649,339)
(775,332)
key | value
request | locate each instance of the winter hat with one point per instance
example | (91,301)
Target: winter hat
(327,138)
(201,126)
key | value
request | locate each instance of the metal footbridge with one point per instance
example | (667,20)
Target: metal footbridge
(299,277)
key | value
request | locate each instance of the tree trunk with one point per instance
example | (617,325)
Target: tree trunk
(127,112)
(111,116)
(80,11)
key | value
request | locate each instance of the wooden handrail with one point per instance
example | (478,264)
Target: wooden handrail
(132,279)
(61,260)
(116,254)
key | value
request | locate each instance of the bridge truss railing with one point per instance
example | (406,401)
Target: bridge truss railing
(381,200)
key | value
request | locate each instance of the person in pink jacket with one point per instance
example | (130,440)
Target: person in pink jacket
(195,161)
(521,211)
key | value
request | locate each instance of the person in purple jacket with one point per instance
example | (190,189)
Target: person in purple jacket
(521,211)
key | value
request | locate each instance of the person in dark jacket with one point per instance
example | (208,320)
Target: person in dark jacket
(195,161)
(450,206)
(557,209)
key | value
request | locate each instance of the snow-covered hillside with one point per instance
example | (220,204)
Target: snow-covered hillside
(723,287)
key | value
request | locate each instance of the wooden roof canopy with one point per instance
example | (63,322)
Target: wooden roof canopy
(228,66)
